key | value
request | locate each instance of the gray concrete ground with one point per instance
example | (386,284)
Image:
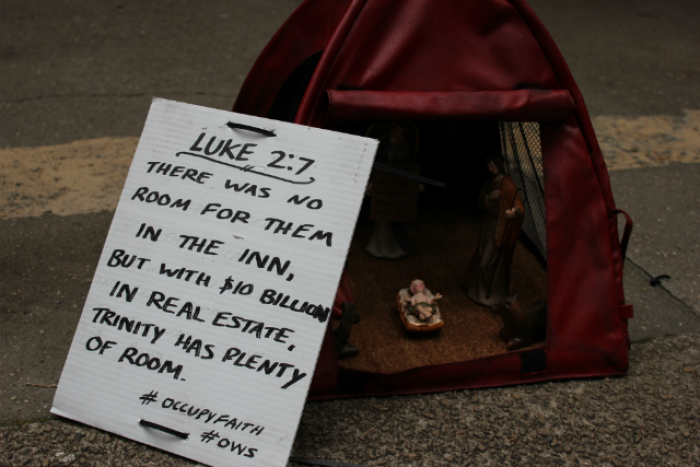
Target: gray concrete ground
(79,70)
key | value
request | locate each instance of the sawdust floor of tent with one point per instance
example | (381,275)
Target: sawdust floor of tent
(444,239)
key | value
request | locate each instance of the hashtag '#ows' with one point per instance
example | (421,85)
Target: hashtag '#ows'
(209,435)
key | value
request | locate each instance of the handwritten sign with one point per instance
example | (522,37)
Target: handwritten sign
(205,318)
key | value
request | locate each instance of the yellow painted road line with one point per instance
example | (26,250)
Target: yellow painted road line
(630,143)
(74,178)
(88,176)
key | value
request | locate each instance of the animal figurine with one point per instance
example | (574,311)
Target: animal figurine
(521,327)
(342,333)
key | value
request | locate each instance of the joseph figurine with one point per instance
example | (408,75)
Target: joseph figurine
(488,280)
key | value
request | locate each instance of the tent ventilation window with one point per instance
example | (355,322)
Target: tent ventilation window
(522,151)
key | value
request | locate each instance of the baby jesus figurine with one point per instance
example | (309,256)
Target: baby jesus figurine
(422,303)
(418,308)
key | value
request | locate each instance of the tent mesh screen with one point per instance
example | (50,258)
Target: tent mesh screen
(522,152)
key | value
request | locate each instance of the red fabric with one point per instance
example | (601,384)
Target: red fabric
(468,59)
(291,45)
(582,298)
(626,311)
(522,105)
(429,46)
(567,81)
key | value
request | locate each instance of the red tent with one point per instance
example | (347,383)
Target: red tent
(339,64)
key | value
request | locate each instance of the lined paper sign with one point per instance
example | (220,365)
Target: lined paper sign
(205,318)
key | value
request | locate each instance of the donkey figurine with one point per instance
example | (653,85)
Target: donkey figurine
(521,327)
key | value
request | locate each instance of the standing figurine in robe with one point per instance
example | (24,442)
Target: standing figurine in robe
(488,281)
(398,145)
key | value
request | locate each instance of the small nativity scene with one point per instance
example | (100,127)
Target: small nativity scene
(487,250)
(438,269)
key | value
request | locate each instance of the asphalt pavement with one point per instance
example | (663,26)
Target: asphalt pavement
(76,82)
